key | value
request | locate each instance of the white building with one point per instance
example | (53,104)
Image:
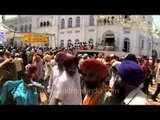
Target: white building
(65,29)
(22,24)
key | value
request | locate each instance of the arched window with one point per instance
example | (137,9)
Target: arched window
(78,21)
(41,24)
(91,20)
(47,23)
(62,43)
(76,42)
(69,22)
(126,47)
(15,28)
(62,23)
(69,42)
(21,28)
(44,23)
(30,27)
(25,28)
(90,42)
(142,44)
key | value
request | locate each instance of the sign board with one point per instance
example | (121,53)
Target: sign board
(2,36)
(35,38)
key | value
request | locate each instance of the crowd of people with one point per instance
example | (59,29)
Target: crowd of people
(35,76)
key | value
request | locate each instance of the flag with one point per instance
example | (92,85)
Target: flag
(2,36)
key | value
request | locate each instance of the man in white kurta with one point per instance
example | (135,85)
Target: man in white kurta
(136,97)
(55,74)
(67,89)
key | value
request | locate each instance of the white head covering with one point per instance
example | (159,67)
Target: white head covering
(116,64)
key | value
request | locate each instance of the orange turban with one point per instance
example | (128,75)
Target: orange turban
(95,66)
(38,58)
(100,55)
(112,61)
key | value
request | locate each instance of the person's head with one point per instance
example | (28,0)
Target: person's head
(94,72)
(17,55)
(27,77)
(59,58)
(131,73)
(47,58)
(37,58)
(100,55)
(32,68)
(71,64)
(131,57)
(118,88)
(115,66)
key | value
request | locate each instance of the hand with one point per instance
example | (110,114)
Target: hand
(30,85)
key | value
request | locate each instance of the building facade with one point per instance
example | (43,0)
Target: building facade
(94,29)
(21,24)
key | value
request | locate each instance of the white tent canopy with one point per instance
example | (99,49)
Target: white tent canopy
(11,35)
(5,28)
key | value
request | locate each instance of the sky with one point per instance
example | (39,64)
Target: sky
(156,19)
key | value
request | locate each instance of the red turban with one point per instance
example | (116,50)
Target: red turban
(95,66)
(60,55)
(69,60)
(32,68)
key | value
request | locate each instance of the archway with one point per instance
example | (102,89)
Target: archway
(62,43)
(69,43)
(126,47)
(108,38)
(90,42)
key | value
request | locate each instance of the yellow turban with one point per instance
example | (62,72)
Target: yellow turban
(47,58)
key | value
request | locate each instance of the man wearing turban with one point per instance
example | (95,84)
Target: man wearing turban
(94,74)
(67,88)
(157,69)
(56,72)
(132,77)
(39,64)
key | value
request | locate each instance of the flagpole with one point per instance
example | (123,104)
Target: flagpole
(13,37)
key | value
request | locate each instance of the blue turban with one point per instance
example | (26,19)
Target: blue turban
(131,73)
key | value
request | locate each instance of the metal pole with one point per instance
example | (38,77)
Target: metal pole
(13,37)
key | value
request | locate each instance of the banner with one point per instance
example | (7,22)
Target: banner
(35,38)
(2,36)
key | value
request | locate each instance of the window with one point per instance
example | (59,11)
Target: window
(21,28)
(142,45)
(62,43)
(69,42)
(149,47)
(69,22)
(78,22)
(90,42)
(15,28)
(62,23)
(25,30)
(47,23)
(41,24)
(91,21)
(126,31)
(44,23)
(30,27)
(76,42)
